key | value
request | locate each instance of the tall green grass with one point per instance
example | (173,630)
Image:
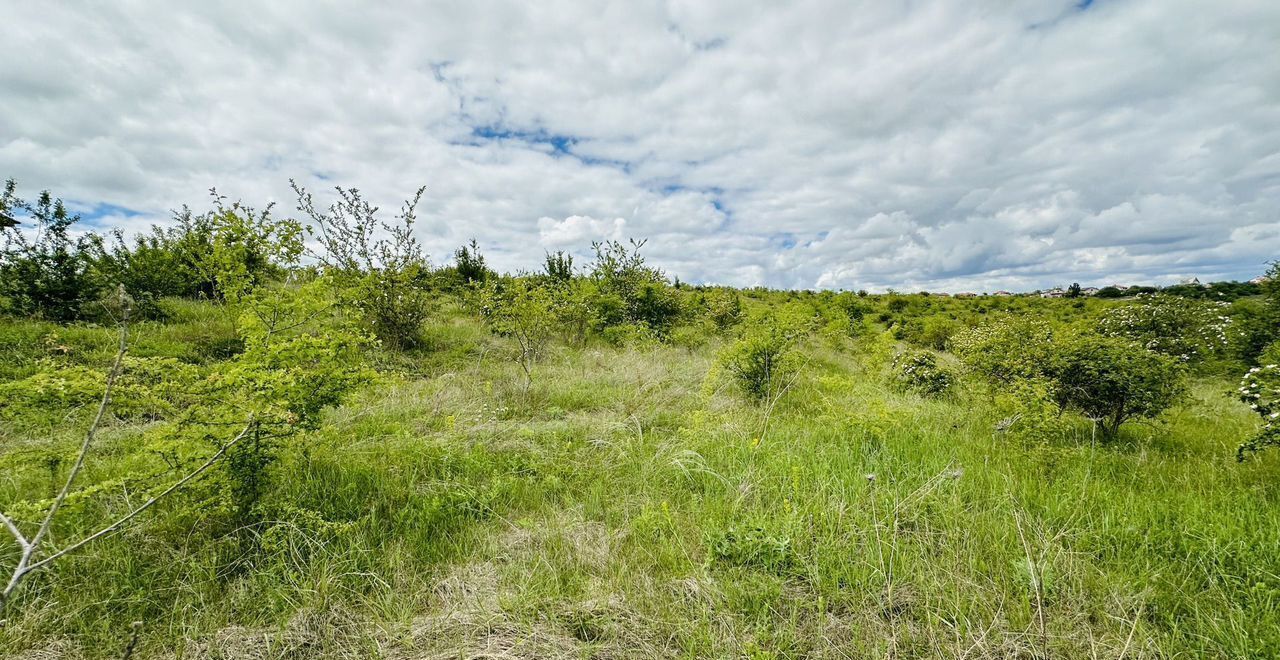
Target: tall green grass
(633,504)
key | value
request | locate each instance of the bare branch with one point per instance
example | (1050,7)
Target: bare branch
(93,428)
(133,514)
(17,533)
(30,547)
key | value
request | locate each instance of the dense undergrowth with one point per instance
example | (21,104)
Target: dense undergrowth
(592,462)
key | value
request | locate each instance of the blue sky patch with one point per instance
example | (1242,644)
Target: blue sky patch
(560,144)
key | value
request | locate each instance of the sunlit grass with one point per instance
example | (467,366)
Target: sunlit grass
(631,504)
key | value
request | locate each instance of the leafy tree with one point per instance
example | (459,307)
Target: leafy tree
(1113,380)
(299,358)
(558,266)
(150,267)
(1255,325)
(44,272)
(221,253)
(379,267)
(522,310)
(246,248)
(469,264)
(1074,290)
(724,308)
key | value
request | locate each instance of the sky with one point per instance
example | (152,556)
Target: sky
(944,146)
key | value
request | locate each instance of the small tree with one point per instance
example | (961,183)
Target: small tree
(724,308)
(44,271)
(762,360)
(298,361)
(558,266)
(222,252)
(1113,381)
(380,268)
(1074,291)
(246,247)
(469,264)
(630,291)
(521,310)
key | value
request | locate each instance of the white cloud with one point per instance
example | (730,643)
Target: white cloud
(817,143)
(576,230)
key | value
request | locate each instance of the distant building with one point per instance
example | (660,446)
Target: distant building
(1055,292)
(966,294)
(1003,293)
(1194,281)
(1089,291)
(1261,279)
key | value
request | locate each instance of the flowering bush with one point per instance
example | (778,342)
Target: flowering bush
(918,371)
(1184,329)
(1006,350)
(1260,389)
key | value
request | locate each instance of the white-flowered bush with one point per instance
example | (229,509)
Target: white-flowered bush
(919,372)
(1188,330)
(1260,390)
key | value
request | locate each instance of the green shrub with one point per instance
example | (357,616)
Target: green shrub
(558,267)
(937,332)
(919,372)
(469,264)
(522,310)
(762,360)
(385,278)
(299,358)
(1113,380)
(1270,354)
(168,262)
(628,291)
(628,334)
(692,336)
(1256,325)
(1007,349)
(244,248)
(724,308)
(571,304)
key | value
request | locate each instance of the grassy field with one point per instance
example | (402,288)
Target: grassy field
(631,503)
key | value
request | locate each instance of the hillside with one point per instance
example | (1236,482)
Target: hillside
(630,502)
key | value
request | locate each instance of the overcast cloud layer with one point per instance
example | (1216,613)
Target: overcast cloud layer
(821,143)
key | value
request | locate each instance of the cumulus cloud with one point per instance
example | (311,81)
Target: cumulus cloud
(817,143)
(576,230)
